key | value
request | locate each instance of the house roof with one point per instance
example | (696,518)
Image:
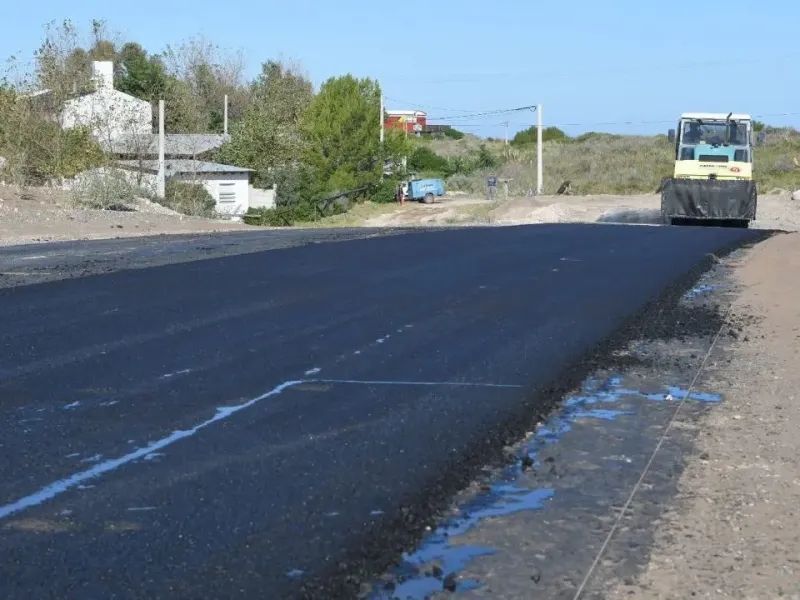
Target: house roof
(181,144)
(182,166)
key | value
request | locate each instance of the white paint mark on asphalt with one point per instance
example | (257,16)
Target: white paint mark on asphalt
(332,514)
(75,404)
(295,573)
(153,455)
(109,403)
(176,373)
(151,450)
(357,352)
(417,383)
(73,455)
(376,513)
(37,257)
(92,459)
(77,480)
(141,508)
(313,371)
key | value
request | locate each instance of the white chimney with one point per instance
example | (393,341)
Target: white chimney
(103,74)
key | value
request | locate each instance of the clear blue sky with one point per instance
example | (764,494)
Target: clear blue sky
(587,62)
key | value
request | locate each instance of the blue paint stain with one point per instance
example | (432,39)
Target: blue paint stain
(507,497)
(699,290)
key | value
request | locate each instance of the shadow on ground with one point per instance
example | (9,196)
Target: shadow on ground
(646,216)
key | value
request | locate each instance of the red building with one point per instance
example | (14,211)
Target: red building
(412,121)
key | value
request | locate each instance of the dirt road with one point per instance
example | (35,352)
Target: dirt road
(733,531)
(775,211)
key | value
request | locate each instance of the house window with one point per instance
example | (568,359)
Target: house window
(227,191)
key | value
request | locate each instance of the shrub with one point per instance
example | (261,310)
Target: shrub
(453,134)
(424,159)
(189,198)
(386,191)
(104,189)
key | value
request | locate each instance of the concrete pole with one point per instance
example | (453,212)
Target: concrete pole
(162,187)
(225,117)
(382,120)
(539,179)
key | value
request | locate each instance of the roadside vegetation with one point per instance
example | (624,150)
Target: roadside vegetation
(592,163)
(319,147)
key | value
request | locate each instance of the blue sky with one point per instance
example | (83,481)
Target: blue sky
(592,65)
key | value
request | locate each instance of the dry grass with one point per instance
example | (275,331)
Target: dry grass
(614,165)
(354,217)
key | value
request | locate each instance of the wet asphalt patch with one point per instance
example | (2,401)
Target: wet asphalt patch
(672,319)
(550,522)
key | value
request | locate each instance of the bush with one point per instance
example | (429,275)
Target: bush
(295,184)
(426,160)
(104,189)
(189,198)
(386,191)
(487,160)
(453,134)
(530,136)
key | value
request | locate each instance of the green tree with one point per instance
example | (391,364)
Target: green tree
(267,136)
(425,160)
(341,129)
(530,136)
(140,75)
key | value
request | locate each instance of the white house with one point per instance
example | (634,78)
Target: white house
(109,112)
(228,185)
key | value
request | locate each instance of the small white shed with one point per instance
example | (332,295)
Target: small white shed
(227,184)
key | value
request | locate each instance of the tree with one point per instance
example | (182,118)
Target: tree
(341,129)
(200,76)
(530,136)
(268,135)
(140,75)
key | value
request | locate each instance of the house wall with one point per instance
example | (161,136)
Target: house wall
(260,198)
(110,113)
(222,184)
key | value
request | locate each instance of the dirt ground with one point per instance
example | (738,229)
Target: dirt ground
(733,532)
(775,211)
(44,215)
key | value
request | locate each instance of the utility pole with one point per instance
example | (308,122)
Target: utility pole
(225,117)
(539,179)
(506,124)
(161,179)
(382,119)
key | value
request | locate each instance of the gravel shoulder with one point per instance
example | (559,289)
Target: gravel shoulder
(732,531)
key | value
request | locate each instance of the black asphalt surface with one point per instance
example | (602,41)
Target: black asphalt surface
(252,501)
(25,264)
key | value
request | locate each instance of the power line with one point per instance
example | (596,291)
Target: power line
(489,113)
(417,105)
(606,123)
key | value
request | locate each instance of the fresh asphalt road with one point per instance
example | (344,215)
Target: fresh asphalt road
(231,426)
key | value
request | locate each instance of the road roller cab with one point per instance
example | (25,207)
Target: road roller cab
(713,173)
